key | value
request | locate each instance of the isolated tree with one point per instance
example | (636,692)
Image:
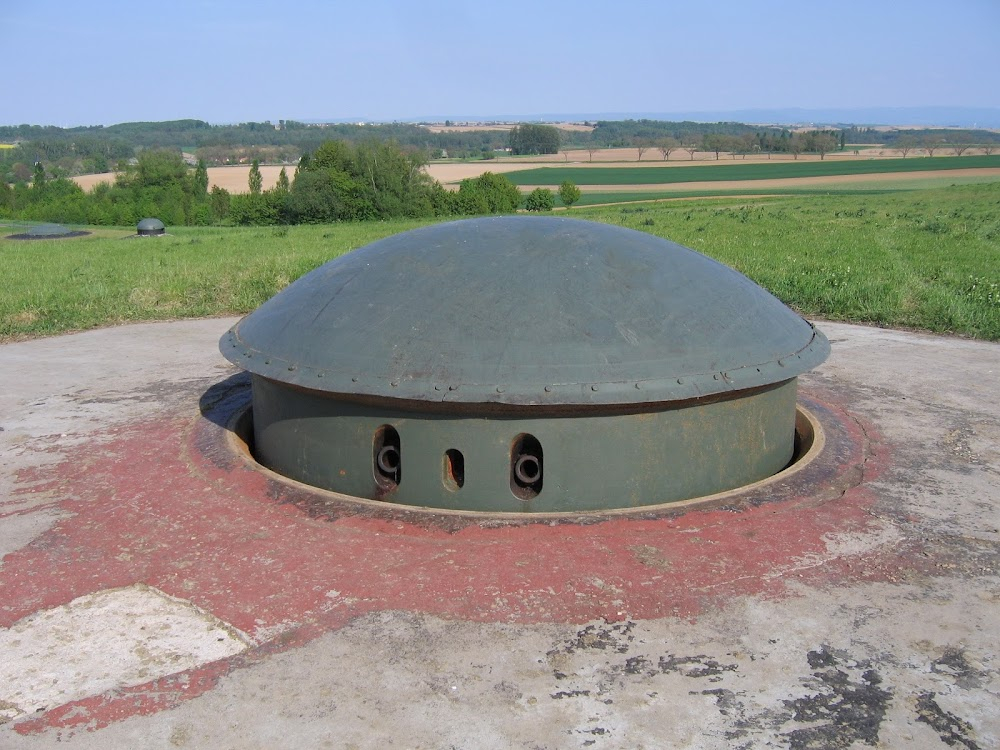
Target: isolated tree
(591,149)
(691,148)
(256,180)
(960,148)
(38,178)
(569,193)
(735,146)
(931,144)
(666,146)
(821,142)
(746,144)
(905,144)
(642,146)
(540,199)
(283,184)
(715,142)
(796,144)
(201,179)
(988,148)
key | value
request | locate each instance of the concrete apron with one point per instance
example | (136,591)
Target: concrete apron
(155,591)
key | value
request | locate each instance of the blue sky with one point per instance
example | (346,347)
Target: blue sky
(70,62)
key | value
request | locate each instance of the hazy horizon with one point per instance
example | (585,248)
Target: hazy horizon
(224,61)
(899,117)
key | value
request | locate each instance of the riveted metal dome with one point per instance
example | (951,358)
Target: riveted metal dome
(525,310)
(149,227)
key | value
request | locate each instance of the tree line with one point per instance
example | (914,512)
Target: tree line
(339,181)
(84,150)
(738,139)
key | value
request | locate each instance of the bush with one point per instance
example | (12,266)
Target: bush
(219,199)
(540,199)
(488,194)
(569,193)
(255,209)
(324,195)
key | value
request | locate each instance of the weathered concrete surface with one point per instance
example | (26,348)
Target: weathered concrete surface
(132,636)
(863,616)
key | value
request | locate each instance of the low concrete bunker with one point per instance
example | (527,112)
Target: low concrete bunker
(524,364)
(48,232)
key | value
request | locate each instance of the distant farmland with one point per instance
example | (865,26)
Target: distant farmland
(662,175)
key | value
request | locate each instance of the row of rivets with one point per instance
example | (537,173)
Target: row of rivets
(548,389)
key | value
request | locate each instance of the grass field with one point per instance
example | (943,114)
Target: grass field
(52,286)
(723,171)
(927,259)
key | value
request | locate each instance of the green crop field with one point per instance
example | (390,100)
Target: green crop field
(645,196)
(927,259)
(738,171)
(866,187)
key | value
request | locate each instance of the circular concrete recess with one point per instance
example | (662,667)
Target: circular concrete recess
(47,232)
(810,453)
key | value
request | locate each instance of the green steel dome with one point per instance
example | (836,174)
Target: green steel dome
(149,228)
(524,364)
(525,310)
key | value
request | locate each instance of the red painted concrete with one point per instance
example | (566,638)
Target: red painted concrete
(151,504)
